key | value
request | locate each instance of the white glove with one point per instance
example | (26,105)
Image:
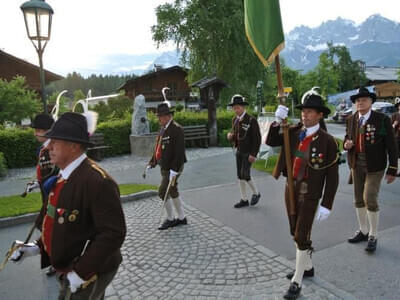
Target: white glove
(26,250)
(172,174)
(75,281)
(148,168)
(32,185)
(322,213)
(281,113)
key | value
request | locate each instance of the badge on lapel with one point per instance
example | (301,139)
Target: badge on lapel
(370,133)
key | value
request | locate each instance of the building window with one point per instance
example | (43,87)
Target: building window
(173,87)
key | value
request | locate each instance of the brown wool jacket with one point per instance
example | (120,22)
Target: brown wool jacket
(94,197)
(173,149)
(322,179)
(246,135)
(377,149)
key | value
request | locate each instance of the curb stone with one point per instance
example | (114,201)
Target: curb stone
(28,218)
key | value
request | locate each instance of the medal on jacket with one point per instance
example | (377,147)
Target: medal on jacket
(60,212)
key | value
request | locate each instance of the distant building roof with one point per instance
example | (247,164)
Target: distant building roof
(374,73)
(11,66)
(207,81)
(152,74)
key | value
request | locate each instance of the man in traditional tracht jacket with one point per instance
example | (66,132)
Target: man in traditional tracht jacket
(370,142)
(84,226)
(44,168)
(246,138)
(169,154)
(315,172)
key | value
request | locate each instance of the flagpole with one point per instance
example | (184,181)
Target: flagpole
(286,141)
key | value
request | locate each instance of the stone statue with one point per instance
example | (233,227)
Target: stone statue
(140,123)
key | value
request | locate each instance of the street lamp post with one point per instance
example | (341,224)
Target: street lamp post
(37,16)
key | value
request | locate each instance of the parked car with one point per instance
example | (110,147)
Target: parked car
(384,107)
(341,115)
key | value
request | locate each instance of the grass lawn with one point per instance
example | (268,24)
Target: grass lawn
(260,164)
(16,205)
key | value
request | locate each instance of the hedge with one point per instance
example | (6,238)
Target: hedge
(116,135)
(3,165)
(19,147)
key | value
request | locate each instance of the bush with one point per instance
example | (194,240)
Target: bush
(3,165)
(116,135)
(17,101)
(222,139)
(19,147)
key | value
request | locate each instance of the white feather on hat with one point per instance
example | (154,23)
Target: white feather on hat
(90,116)
(307,94)
(163,91)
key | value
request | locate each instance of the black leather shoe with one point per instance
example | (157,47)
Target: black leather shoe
(293,292)
(307,273)
(241,203)
(167,224)
(181,222)
(372,242)
(255,198)
(358,237)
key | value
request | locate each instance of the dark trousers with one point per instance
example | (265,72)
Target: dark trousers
(243,166)
(94,291)
(173,190)
(301,223)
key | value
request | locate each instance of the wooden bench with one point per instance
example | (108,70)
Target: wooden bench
(96,152)
(196,133)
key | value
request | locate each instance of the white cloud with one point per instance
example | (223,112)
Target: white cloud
(85,32)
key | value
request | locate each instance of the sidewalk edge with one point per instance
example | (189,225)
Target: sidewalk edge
(28,218)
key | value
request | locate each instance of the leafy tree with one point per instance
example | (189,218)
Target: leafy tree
(350,73)
(17,101)
(117,108)
(211,34)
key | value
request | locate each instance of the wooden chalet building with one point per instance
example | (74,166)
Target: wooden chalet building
(151,84)
(12,66)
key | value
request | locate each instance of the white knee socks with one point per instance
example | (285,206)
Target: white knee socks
(301,261)
(362,219)
(242,186)
(179,207)
(168,208)
(253,187)
(373,218)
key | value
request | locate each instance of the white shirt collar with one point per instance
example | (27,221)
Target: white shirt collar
(72,166)
(169,122)
(241,116)
(46,143)
(366,116)
(312,130)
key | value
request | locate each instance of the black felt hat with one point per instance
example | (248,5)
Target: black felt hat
(163,109)
(42,121)
(363,92)
(238,100)
(315,101)
(70,127)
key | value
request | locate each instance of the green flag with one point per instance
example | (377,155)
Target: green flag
(263,25)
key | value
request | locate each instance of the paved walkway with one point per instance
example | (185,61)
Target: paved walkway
(203,260)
